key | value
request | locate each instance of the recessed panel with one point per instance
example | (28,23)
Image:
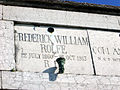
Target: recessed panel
(106,52)
(37,49)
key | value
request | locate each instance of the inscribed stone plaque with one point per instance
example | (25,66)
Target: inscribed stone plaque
(37,49)
(106,52)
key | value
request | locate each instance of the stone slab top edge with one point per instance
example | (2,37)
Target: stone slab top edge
(65,5)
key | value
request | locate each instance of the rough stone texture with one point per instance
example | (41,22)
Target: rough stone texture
(106,52)
(6,45)
(60,17)
(104,45)
(0,11)
(38,53)
(42,81)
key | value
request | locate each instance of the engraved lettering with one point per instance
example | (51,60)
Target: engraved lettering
(46,62)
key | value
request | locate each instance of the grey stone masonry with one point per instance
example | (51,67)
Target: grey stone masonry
(89,41)
(7,61)
(59,17)
(45,81)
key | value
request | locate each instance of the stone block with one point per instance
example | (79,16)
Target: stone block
(22,80)
(7,61)
(42,81)
(37,49)
(34,15)
(59,17)
(106,52)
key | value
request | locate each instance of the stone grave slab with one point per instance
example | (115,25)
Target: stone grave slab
(106,52)
(37,49)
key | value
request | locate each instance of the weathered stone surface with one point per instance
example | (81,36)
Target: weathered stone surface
(7,61)
(60,17)
(42,81)
(0,11)
(106,52)
(37,49)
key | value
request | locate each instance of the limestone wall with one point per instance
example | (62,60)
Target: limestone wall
(88,41)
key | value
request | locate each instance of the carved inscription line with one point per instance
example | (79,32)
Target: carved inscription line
(106,50)
(114,52)
(45,38)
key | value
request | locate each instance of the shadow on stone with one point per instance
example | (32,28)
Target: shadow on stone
(51,72)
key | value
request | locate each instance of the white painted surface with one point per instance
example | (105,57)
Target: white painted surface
(42,81)
(60,17)
(7,61)
(106,52)
(0,11)
(32,56)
